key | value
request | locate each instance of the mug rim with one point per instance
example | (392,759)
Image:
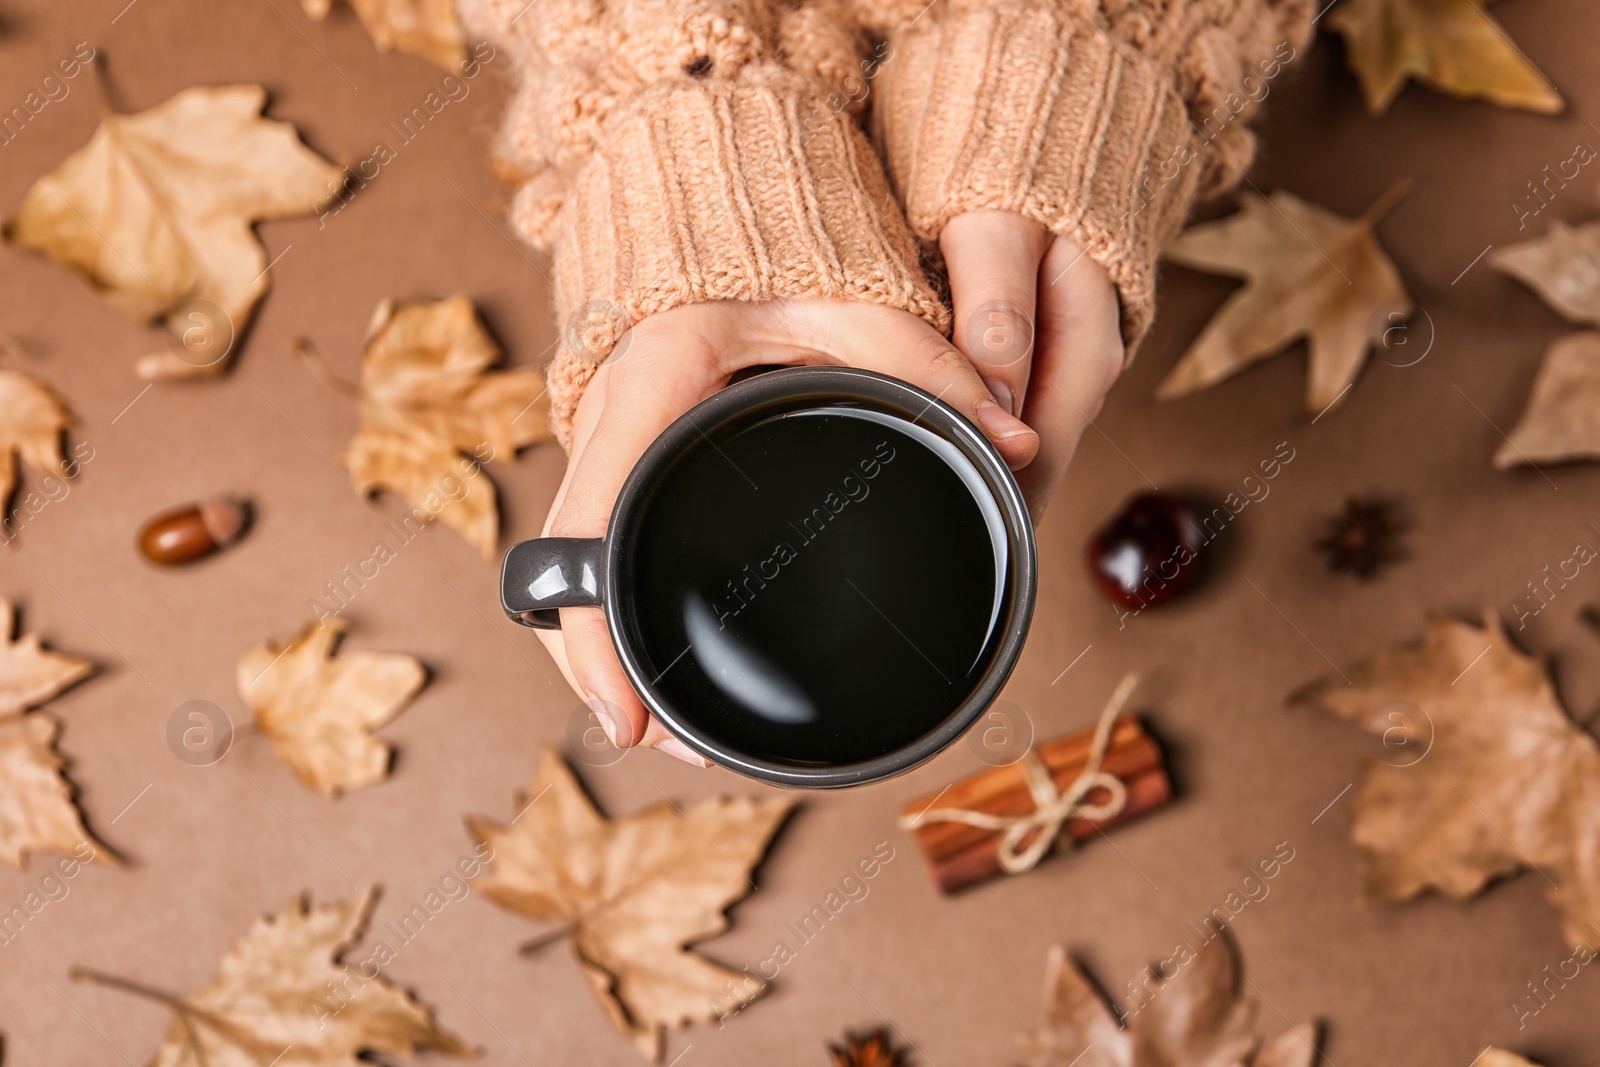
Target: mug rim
(833,383)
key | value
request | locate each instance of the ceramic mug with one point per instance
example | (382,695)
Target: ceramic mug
(817,577)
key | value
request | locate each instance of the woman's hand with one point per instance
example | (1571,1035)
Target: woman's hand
(1038,320)
(1036,335)
(669,362)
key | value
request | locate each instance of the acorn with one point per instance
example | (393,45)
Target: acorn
(194,531)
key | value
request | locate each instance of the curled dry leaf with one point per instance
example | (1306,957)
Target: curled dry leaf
(36,809)
(1453,45)
(424,28)
(427,396)
(318,708)
(283,995)
(157,209)
(32,418)
(1509,781)
(1562,420)
(1563,267)
(1308,273)
(1193,1018)
(632,893)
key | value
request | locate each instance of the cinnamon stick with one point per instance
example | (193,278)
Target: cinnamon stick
(959,855)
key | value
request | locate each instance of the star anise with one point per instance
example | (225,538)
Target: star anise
(1363,538)
(869,1049)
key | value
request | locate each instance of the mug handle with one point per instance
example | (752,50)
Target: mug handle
(548,573)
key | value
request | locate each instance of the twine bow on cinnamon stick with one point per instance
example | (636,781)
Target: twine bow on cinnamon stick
(1052,806)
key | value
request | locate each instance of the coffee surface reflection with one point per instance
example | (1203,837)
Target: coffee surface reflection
(822,585)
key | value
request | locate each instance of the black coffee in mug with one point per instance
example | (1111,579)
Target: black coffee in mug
(818,576)
(822,585)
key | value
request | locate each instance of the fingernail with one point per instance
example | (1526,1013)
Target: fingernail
(678,750)
(1002,394)
(608,720)
(999,423)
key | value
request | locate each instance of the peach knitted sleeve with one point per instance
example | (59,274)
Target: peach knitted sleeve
(676,151)
(1101,119)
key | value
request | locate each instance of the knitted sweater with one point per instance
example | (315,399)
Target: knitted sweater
(669,152)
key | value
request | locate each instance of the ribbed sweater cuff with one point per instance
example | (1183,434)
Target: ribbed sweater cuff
(752,188)
(1038,112)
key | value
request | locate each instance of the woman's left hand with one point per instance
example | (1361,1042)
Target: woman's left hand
(1039,321)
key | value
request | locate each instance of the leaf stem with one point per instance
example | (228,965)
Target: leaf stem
(543,941)
(80,973)
(1385,203)
(102,95)
(306,349)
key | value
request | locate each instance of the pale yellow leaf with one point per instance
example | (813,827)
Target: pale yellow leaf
(36,808)
(424,28)
(1190,1015)
(318,708)
(157,209)
(1563,267)
(32,418)
(1562,420)
(30,675)
(432,476)
(1453,45)
(1309,273)
(633,893)
(429,402)
(1508,782)
(282,995)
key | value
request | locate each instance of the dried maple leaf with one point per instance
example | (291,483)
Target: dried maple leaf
(870,1049)
(1452,45)
(1563,267)
(1309,273)
(318,707)
(1562,420)
(1509,781)
(36,809)
(427,396)
(157,209)
(632,893)
(32,419)
(1193,1018)
(283,987)
(424,28)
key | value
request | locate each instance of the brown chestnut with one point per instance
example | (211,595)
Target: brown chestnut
(194,531)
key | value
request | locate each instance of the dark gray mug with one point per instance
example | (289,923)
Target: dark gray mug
(615,573)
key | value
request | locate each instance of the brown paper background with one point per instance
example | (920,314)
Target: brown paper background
(208,849)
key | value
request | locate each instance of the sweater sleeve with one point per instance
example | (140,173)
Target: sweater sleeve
(670,152)
(1102,120)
